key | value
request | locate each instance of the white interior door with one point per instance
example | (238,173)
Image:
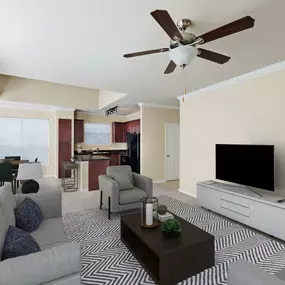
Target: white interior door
(172,151)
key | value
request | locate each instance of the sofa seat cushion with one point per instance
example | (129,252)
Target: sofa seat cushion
(50,233)
(131,196)
(18,243)
(28,216)
(8,204)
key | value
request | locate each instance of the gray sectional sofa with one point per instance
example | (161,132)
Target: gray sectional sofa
(245,273)
(58,262)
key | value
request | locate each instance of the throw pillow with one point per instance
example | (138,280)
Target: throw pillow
(18,243)
(123,179)
(28,216)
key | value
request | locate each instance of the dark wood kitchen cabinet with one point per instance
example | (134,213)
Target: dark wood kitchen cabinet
(133,127)
(64,145)
(96,168)
(118,132)
(78,131)
(115,159)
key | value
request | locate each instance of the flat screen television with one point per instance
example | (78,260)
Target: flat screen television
(250,165)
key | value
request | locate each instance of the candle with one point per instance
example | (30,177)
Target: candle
(149,214)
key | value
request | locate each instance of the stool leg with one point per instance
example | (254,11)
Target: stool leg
(109,208)
(101,199)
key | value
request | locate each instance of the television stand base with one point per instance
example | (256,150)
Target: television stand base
(237,203)
(254,191)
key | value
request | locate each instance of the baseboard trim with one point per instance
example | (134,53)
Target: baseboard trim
(49,176)
(186,192)
(159,181)
(84,189)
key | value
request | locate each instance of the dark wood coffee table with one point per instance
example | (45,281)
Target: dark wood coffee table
(168,260)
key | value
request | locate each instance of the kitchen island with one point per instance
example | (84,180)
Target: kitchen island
(89,168)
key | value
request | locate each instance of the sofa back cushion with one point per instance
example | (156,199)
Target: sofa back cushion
(3,230)
(8,204)
(113,171)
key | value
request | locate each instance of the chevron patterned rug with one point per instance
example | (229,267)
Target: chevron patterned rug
(106,260)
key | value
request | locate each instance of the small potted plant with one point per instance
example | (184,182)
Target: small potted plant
(171,228)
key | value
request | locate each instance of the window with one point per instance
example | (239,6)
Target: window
(97,134)
(27,138)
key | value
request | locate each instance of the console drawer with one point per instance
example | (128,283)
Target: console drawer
(235,207)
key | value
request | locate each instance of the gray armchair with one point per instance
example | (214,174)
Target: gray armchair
(122,190)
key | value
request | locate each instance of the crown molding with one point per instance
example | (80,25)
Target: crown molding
(238,79)
(150,105)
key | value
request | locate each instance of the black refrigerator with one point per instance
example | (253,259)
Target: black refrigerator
(133,156)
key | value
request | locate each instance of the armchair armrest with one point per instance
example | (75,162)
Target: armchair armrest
(144,183)
(110,188)
(49,202)
(41,267)
(245,273)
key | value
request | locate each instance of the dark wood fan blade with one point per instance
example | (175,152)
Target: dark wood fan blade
(165,21)
(213,56)
(229,29)
(146,52)
(170,68)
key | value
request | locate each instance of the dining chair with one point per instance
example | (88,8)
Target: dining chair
(6,175)
(15,167)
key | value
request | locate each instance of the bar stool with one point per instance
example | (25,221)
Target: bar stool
(69,184)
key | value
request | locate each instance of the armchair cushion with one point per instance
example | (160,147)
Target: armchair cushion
(123,180)
(131,196)
(111,170)
(28,216)
(18,243)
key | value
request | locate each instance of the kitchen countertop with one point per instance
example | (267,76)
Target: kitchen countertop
(102,152)
(87,157)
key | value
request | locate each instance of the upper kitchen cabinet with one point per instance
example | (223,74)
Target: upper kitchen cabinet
(132,127)
(78,131)
(118,132)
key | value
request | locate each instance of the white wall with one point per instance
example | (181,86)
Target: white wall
(249,112)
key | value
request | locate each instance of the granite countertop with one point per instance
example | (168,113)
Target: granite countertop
(102,152)
(90,157)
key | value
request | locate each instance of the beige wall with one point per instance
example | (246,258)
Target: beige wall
(45,93)
(108,97)
(153,140)
(250,112)
(90,118)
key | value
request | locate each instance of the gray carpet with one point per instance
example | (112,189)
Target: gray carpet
(106,260)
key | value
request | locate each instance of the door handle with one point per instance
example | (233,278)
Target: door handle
(168,155)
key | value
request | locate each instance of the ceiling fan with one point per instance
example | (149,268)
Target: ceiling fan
(183,44)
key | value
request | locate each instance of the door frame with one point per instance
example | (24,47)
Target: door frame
(165,152)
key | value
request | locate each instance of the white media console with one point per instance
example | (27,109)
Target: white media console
(240,204)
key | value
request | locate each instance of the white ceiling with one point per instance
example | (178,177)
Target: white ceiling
(82,42)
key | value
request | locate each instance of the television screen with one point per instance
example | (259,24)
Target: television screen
(250,165)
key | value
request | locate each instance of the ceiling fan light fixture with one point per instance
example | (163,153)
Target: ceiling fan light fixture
(183,55)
